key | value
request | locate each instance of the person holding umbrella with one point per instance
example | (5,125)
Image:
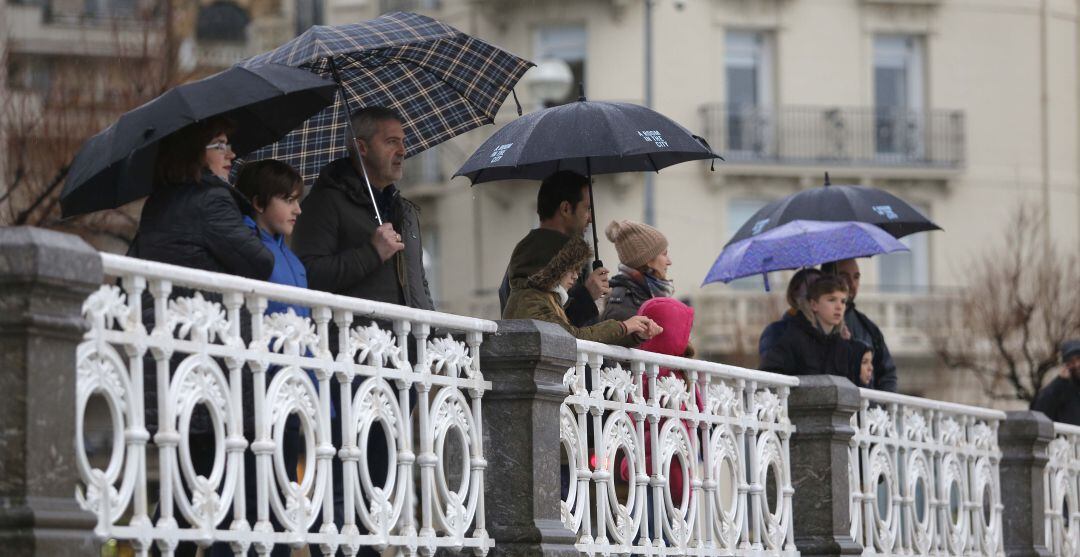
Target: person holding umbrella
(643,265)
(862,328)
(564,208)
(339,239)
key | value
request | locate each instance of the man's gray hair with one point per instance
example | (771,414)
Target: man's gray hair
(365,121)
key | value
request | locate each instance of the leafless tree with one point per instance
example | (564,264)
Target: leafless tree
(43,128)
(1022,301)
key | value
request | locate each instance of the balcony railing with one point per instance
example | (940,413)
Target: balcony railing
(720,432)
(1062,492)
(925,477)
(835,136)
(663,455)
(208,333)
(730,320)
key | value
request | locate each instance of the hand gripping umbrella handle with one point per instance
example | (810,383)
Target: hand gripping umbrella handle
(351,145)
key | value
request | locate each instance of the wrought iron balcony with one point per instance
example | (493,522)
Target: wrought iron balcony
(822,135)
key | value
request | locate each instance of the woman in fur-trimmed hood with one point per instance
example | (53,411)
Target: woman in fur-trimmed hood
(539,272)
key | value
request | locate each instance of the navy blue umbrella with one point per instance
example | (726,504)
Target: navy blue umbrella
(797,244)
(588,137)
(839,203)
(116,166)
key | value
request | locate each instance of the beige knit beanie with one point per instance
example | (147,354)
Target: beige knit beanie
(636,243)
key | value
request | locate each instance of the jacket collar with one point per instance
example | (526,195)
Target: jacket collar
(277,239)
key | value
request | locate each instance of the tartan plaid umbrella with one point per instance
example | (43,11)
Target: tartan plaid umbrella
(440,80)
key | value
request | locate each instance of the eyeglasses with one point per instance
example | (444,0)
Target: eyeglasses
(219,146)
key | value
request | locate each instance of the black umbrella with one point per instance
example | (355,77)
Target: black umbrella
(588,137)
(116,166)
(839,203)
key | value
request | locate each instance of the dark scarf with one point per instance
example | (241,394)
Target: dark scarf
(658,287)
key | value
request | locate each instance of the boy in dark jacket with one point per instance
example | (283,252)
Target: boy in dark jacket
(814,343)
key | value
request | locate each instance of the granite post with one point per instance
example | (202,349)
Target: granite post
(44,278)
(1023,438)
(821,408)
(525,362)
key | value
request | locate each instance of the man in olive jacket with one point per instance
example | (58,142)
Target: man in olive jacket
(337,237)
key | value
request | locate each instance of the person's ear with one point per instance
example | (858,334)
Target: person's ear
(362,147)
(565,208)
(256,202)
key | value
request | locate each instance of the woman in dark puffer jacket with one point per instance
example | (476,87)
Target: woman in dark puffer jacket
(194,218)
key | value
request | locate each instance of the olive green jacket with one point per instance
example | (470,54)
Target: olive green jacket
(530,303)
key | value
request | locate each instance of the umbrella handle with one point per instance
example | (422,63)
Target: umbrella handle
(592,213)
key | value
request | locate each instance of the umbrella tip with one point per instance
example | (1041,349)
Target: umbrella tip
(827,181)
(581,91)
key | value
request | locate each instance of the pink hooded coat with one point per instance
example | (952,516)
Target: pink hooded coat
(677,319)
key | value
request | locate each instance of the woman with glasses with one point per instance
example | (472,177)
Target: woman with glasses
(193,217)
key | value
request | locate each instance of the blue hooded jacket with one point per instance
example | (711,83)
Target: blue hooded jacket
(288,269)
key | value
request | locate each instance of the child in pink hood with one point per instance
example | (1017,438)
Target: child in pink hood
(677,319)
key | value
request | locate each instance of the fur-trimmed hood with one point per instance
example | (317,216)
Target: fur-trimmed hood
(544,256)
(572,256)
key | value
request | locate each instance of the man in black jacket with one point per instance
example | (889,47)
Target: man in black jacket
(862,328)
(346,251)
(564,209)
(339,241)
(1060,399)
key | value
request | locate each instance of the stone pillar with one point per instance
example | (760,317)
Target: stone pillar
(44,278)
(821,408)
(525,362)
(1023,438)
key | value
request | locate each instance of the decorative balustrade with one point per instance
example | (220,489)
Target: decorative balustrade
(203,341)
(720,482)
(925,477)
(1061,487)
(718,460)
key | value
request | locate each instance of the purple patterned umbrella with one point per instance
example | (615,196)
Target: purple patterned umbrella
(800,243)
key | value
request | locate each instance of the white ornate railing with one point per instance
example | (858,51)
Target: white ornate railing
(723,430)
(1061,492)
(925,477)
(198,352)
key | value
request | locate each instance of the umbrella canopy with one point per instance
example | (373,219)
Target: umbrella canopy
(800,243)
(839,203)
(440,80)
(588,137)
(116,166)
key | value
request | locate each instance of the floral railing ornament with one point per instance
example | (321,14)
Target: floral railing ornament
(924,477)
(199,343)
(720,432)
(1061,489)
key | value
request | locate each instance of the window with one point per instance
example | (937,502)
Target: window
(222,21)
(738,212)
(566,43)
(748,74)
(898,95)
(906,271)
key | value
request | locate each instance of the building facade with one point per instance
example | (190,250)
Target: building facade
(965,108)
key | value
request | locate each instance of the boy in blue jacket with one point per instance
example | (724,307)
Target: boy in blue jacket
(274,189)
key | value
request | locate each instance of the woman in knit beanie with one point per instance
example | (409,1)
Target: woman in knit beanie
(643,265)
